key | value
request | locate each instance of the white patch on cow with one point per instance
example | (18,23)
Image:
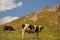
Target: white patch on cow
(26,25)
(39,27)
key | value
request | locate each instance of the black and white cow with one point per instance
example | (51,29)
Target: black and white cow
(30,29)
(8,28)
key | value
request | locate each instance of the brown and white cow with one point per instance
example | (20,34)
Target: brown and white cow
(30,29)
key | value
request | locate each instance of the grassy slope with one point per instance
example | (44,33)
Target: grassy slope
(50,32)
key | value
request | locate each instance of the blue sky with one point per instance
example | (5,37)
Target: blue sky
(25,7)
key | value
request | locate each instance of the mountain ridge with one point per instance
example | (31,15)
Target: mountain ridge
(46,15)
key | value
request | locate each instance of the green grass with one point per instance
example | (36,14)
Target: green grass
(48,33)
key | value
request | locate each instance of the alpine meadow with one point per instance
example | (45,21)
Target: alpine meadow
(48,17)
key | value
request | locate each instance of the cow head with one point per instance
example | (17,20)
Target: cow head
(40,28)
(13,29)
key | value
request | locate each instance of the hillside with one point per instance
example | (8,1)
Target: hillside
(44,16)
(49,18)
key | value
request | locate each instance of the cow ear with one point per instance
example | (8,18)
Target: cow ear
(41,27)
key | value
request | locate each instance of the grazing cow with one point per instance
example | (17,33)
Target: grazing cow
(30,29)
(9,28)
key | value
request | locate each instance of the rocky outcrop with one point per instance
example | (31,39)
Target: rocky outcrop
(54,8)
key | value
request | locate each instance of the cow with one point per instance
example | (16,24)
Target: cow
(8,28)
(29,28)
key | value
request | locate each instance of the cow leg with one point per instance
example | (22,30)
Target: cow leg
(36,35)
(22,34)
